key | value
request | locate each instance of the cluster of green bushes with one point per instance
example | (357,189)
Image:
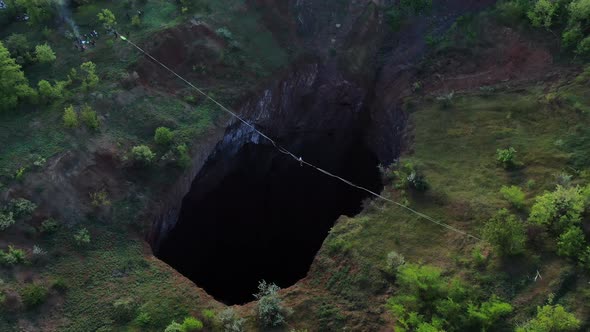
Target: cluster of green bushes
(428,301)
(164,138)
(570,18)
(16,209)
(15,88)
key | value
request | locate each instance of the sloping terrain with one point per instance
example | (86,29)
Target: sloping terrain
(472,115)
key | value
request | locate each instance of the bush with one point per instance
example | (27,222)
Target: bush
(191,324)
(174,327)
(143,154)
(82,237)
(136,21)
(184,159)
(107,18)
(514,195)
(571,242)
(48,92)
(408,176)
(100,198)
(34,295)
(12,256)
(6,220)
(44,53)
(230,322)
(49,226)
(70,117)
(551,318)
(427,301)
(541,15)
(559,209)
(143,319)
(163,136)
(271,312)
(88,75)
(506,233)
(89,117)
(22,208)
(506,157)
(14,86)
(393,262)
(124,310)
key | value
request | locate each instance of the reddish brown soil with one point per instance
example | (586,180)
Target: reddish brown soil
(508,58)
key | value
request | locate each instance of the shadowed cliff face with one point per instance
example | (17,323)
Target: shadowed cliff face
(266,216)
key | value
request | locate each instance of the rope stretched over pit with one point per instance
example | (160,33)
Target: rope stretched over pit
(296,158)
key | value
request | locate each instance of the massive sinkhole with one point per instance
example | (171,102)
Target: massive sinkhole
(258,214)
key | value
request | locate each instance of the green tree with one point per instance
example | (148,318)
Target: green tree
(571,242)
(89,117)
(488,313)
(163,136)
(506,233)
(70,117)
(514,195)
(88,75)
(559,209)
(551,318)
(541,15)
(44,53)
(13,85)
(107,18)
(19,48)
(143,154)
(47,92)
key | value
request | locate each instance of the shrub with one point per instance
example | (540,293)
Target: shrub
(541,15)
(230,322)
(407,176)
(559,209)
(174,327)
(271,312)
(514,195)
(506,233)
(136,21)
(44,53)
(143,154)
(89,117)
(124,309)
(100,198)
(49,226)
(506,157)
(22,207)
(107,18)
(489,312)
(551,318)
(70,117)
(571,242)
(82,237)
(428,301)
(163,136)
(184,159)
(143,319)
(88,75)
(14,86)
(12,256)
(394,261)
(191,324)
(48,92)
(60,285)
(34,295)
(6,220)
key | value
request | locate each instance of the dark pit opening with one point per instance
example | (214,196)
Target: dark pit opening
(259,215)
